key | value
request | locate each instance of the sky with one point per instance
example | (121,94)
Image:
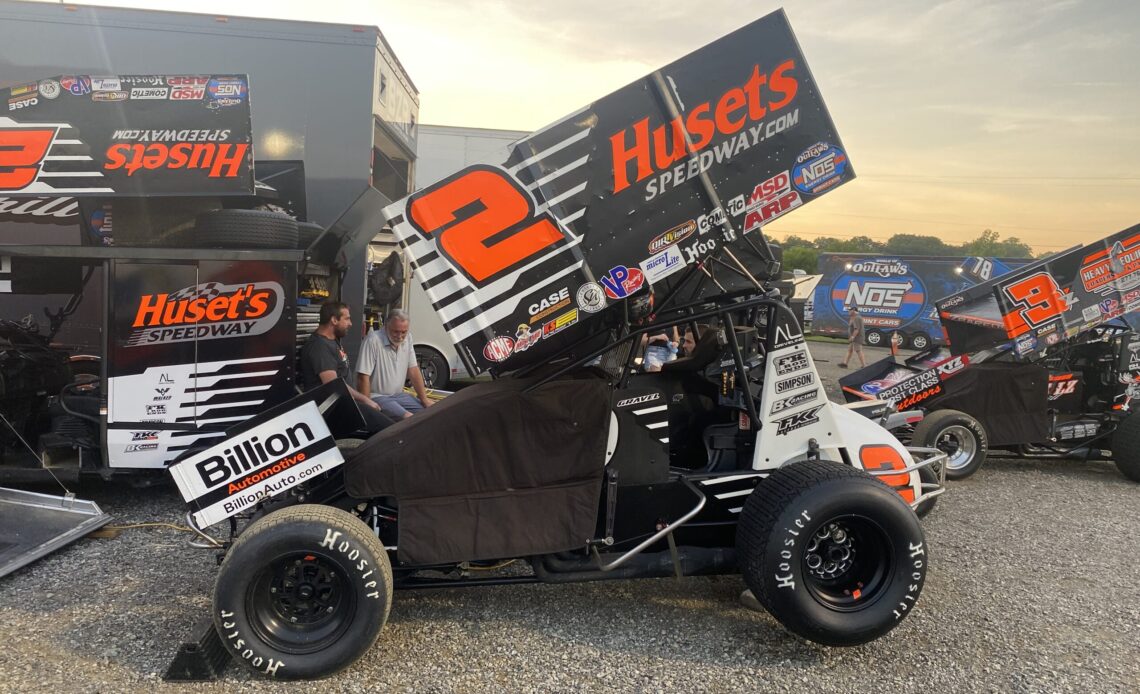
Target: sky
(1019,116)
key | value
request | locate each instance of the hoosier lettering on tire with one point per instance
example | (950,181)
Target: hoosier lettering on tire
(833,554)
(303,593)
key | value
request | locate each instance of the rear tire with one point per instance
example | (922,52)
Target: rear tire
(1126,447)
(307,233)
(832,553)
(919,341)
(959,435)
(303,593)
(244,229)
(874,338)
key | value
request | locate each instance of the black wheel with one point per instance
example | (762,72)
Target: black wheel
(244,229)
(874,338)
(927,476)
(307,233)
(435,369)
(303,593)
(833,554)
(958,435)
(1126,447)
(920,341)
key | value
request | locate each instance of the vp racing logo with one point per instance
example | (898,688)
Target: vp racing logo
(207,311)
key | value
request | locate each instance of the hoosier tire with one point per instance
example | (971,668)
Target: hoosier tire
(958,435)
(307,233)
(1126,447)
(832,553)
(303,593)
(244,229)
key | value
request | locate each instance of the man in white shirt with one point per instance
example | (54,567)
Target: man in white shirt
(386,360)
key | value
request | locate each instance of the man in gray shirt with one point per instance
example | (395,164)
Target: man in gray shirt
(854,336)
(386,360)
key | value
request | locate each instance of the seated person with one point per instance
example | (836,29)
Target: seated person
(386,360)
(659,349)
(323,359)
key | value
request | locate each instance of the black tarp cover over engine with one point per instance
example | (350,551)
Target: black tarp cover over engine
(1040,305)
(667,173)
(492,471)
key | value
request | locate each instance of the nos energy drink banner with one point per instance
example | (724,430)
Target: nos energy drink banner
(894,293)
(624,194)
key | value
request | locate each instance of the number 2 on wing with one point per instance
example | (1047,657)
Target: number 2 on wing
(21,151)
(1038,300)
(483,221)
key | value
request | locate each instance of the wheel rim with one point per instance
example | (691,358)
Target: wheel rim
(958,443)
(300,602)
(847,563)
(920,342)
(873,338)
(427,369)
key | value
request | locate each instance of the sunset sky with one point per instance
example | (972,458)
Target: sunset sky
(1015,115)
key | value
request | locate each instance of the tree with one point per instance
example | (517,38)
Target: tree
(913,244)
(801,257)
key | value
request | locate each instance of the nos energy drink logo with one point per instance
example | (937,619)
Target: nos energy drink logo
(899,298)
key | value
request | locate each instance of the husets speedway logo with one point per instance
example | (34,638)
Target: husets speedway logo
(761,93)
(206,312)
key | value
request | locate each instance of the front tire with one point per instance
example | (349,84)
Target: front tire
(303,593)
(1126,447)
(832,553)
(958,435)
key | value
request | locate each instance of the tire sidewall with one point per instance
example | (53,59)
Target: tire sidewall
(794,604)
(368,581)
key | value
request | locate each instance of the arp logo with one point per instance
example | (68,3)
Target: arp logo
(22,150)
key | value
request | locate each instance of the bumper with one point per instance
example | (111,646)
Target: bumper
(930,458)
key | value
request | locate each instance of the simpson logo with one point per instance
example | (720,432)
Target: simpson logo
(591,297)
(207,312)
(639,400)
(1114,270)
(663,264)
(795,382)
(791,362)
(221,160)
(251,465)
(498,349)
(762,93)
(797,420)
(675,235)
(820,167)
(794,401)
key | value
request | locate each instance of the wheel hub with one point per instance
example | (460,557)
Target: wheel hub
(830,552)
(957,442)
(305,590)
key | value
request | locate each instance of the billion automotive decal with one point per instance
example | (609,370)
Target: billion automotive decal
(207,311)
(250,465)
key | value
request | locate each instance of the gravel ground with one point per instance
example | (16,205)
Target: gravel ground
(1033,588)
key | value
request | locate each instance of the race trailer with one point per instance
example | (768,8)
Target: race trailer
(1042,361)
(639,212)
(895,294)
